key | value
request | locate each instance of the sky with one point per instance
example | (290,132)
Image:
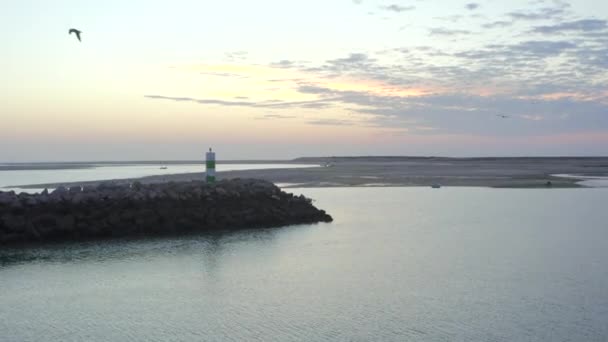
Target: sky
(277,79)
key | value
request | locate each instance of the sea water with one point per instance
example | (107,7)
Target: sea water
(397,264)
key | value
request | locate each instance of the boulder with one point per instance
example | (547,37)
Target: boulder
(113,210)
(66,223)
(79,198)
(59,191)
(7,198)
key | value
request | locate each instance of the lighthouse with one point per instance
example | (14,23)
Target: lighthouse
(210,166)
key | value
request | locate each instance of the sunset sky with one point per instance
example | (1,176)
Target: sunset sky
(163,80)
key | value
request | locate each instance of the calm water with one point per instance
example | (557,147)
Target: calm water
(10,179)
(590,181)
(398,264)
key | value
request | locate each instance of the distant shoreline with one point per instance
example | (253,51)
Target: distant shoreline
(508,172)
(91,164)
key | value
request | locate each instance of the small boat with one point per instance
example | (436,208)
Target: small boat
(163,167)
(436,186)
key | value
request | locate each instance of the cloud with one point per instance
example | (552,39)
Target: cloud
(462,113)
(314,104)
(543,48)
(532,117)
(236,55)
(330,122)
(398,8)
(439,31)
(283,64)
(544,13)
(451,112)
(177,99)
(546,85)
(424,128)
(353,63)
(472,6)
(275,117)
(534,67)
(353,60)
(203,101)
(357,2)
(585,25)
(518,52)
(497,24)
(280,80)
(531,66)
(223,74)
(452,18)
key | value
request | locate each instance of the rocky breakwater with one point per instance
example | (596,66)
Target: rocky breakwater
(111,210)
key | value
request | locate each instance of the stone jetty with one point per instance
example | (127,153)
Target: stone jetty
(110,210)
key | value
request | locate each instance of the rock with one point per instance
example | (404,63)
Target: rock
(147,209)
(88,189)
(109,186)
(6,198)
(16,204)
(13,222)
(114,219)
(78,198)
(152,195)
(75,189)
(31,231)
(66,223)
(136,185)
(59,191)
(31,201)
(45,224)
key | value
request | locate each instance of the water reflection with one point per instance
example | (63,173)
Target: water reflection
(395,265)
(210,246)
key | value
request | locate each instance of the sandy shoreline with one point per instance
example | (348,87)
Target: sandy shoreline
(407,171)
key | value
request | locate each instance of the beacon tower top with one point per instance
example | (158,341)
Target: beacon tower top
(210,166)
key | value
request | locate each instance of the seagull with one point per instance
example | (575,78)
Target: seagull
(502,116)
(77,33)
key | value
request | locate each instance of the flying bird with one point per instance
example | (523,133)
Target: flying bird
(502,116)
(77,32)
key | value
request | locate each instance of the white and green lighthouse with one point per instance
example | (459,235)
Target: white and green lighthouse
(210,165)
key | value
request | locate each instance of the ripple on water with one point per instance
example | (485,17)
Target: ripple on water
(397,264)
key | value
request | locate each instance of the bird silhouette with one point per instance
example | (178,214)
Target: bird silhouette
(502,116)
(78,32)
